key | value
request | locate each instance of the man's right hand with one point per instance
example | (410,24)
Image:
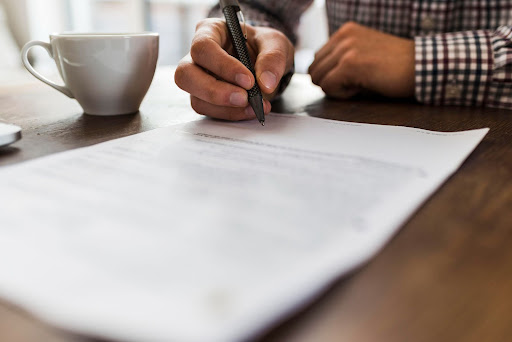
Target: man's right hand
(218,82)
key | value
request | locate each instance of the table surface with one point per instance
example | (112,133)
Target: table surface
(447,274)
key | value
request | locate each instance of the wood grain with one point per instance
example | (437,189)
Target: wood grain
(447,274)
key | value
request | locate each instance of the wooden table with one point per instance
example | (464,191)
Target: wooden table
(447,274)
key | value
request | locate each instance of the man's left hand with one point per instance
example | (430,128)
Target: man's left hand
(357,57)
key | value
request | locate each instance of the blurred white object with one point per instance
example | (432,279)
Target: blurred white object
(9,56)
(9,134)
(312,33)
(303,59)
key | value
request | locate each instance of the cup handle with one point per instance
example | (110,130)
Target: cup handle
(30,68)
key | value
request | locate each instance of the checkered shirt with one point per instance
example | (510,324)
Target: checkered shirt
(463,47)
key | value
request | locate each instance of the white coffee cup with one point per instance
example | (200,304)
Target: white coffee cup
(108,74)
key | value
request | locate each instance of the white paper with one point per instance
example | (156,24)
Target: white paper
(209,231)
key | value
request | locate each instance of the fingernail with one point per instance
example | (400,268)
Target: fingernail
(243,81)
(269,80)
(238,99)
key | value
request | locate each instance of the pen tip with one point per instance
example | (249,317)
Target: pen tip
(262,123)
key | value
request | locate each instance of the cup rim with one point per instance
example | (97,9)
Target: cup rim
(103,34)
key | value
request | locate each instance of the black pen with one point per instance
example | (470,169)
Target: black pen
(231,10)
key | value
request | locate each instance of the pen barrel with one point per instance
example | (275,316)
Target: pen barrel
(239,45)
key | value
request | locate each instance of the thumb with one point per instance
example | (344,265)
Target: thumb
(274,58)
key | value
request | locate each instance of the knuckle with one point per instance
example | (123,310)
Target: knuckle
(218,24)
(252,31)
(280,35)
(206,22)
(349,27)
(213,96)
(179,75)
(181,72)
(225,70)
(263,32)
(349,43)
(199,48)
(201,23)
(350,59)
(275,57)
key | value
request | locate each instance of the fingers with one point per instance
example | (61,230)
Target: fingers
(346,30)
(274,59)
(320,68)
(197,82)
(207,51)
(226,113)
(321,54)
(326,50)
(337,66)
(335,73)
(339,83)
(218,82)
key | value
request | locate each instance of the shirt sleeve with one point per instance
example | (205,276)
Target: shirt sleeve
(283,15)
(472,68)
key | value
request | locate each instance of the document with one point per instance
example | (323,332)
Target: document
(210,230)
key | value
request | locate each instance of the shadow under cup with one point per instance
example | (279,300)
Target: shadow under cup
(108,74)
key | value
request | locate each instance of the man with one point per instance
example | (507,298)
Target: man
(440,51)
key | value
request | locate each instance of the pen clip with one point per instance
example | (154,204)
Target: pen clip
(241,19)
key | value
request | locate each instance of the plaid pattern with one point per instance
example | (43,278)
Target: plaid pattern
(463,48)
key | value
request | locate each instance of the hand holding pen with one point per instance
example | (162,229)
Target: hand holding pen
(234,15)
(219,83)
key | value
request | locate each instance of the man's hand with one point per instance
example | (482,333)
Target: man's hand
(357,57)
(218,82)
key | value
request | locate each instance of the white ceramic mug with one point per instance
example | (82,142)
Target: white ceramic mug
(108,74)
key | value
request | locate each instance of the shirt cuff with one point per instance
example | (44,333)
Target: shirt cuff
(454,68)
